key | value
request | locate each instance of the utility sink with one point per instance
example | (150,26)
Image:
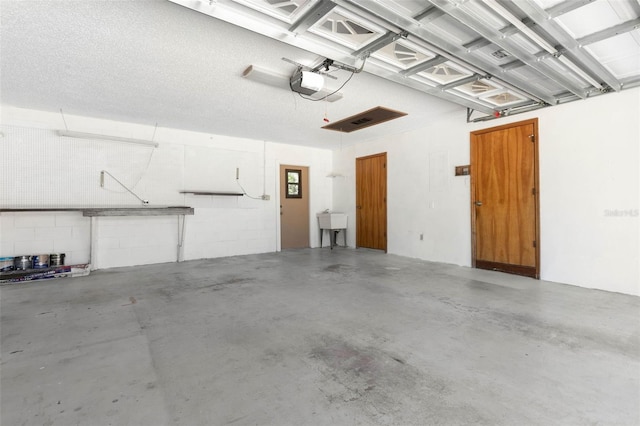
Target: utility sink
(332,220)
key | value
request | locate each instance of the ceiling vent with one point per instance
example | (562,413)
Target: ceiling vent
(500,54)
(365,119)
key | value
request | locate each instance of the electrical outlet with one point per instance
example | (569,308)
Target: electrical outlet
(266,197)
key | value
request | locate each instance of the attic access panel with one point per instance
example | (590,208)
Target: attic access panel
(365,119)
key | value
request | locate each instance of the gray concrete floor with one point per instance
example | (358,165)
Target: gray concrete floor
(316,337)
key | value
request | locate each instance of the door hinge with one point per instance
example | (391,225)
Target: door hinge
(532,138)
(534,243)
(384,165)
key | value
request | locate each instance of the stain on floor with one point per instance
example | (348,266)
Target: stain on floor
(382,384)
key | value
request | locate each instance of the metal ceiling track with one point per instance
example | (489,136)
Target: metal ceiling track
(561,70)
(466,17)
(544,21)
(313,15)
(442,47)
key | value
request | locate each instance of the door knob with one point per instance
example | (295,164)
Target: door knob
(478,203)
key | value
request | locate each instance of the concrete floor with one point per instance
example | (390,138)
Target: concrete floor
(316,337)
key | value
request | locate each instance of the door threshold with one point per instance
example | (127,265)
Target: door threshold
(526,271)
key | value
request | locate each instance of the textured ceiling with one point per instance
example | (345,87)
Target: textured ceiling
(157,62)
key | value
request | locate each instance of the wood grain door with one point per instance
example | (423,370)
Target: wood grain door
(371,201)
(504,197)
(294,207)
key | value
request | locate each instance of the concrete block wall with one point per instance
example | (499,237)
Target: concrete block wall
(215,232)
(44,233)
(125,241)
(41,169)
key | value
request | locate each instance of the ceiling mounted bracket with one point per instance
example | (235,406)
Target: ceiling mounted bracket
(469,113)
(313,15)
(424,66)
(331,63)
(474,77)
(325,64)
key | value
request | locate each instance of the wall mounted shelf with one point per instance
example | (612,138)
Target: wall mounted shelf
(223,193)
(108,210)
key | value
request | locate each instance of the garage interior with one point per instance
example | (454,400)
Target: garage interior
(161,144)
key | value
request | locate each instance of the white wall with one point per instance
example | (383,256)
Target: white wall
(41,169)
(422,196)
(44,233)
(589,189)
(589,162)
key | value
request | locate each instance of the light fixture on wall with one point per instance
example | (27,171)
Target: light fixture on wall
(266,76)
(82,135)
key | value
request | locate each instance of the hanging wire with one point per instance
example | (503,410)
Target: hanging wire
(154,133)
(146,169)
(63,120)
(144,172)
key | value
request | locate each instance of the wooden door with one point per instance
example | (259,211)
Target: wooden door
(294,207)
(504,198)
(371,201)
